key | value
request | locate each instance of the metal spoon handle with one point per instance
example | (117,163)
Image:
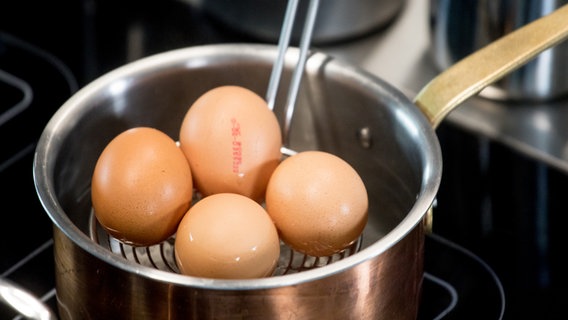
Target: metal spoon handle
(299,70)
(283,44)
(485,66)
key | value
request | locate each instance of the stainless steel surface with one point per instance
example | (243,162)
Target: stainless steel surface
(401,168)
(21,300)
(462,27)
(401,55)
(276,73)
(338,20)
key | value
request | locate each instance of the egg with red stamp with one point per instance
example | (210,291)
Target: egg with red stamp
(232,141)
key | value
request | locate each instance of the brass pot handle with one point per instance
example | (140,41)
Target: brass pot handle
(483,67)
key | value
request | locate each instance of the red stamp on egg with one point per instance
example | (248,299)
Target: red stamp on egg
(236,145)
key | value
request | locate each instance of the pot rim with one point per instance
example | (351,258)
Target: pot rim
(63,119)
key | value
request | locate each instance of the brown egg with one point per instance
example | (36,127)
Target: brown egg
(318,203)
(141,186)
(232,142)
(227,236)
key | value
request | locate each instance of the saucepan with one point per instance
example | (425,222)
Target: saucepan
(388,138)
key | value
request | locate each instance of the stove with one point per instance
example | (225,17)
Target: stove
(497,242)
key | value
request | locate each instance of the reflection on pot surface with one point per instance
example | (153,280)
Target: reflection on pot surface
(462,27)
(338,20)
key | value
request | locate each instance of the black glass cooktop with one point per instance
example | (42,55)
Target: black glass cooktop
(48,51)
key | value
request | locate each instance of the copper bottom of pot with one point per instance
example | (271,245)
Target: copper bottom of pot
(162,256)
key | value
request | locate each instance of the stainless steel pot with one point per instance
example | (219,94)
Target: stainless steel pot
(337,20)
(340,108)
(92,281)
(459,28)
